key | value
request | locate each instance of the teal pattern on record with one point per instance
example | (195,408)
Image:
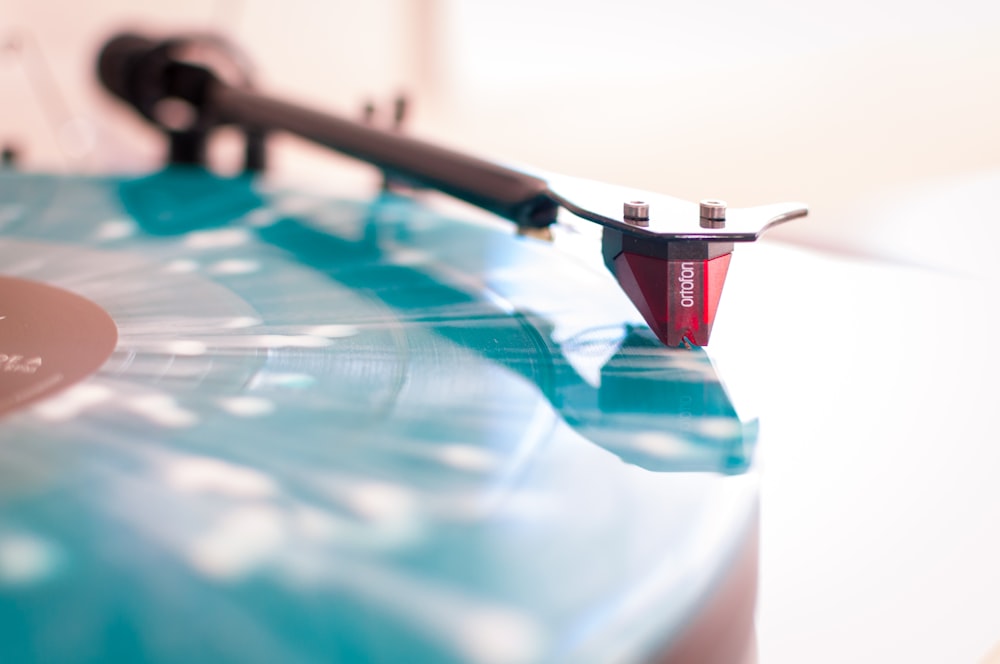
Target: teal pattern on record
(350,431)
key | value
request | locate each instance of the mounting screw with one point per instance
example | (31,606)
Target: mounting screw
(713,213)
(637,213)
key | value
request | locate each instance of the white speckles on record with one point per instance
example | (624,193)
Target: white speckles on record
(26,558)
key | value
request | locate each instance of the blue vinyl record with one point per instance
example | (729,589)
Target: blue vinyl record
(350,431)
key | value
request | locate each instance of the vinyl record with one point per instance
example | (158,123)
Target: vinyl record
(335,430)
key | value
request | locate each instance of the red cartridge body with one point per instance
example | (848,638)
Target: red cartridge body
(675,286)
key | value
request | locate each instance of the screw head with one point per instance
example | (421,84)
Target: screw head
(636,213)
(713,213)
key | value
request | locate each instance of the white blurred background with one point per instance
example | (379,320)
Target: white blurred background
(881,114)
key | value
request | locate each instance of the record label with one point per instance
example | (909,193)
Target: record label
(49,339)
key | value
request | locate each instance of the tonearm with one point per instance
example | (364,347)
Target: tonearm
(670,256)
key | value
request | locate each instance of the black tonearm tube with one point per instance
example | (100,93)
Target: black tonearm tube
(143,72)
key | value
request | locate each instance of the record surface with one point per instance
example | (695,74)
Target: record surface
(346,431)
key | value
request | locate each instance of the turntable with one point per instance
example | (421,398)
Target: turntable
(250,424)
(246,423)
